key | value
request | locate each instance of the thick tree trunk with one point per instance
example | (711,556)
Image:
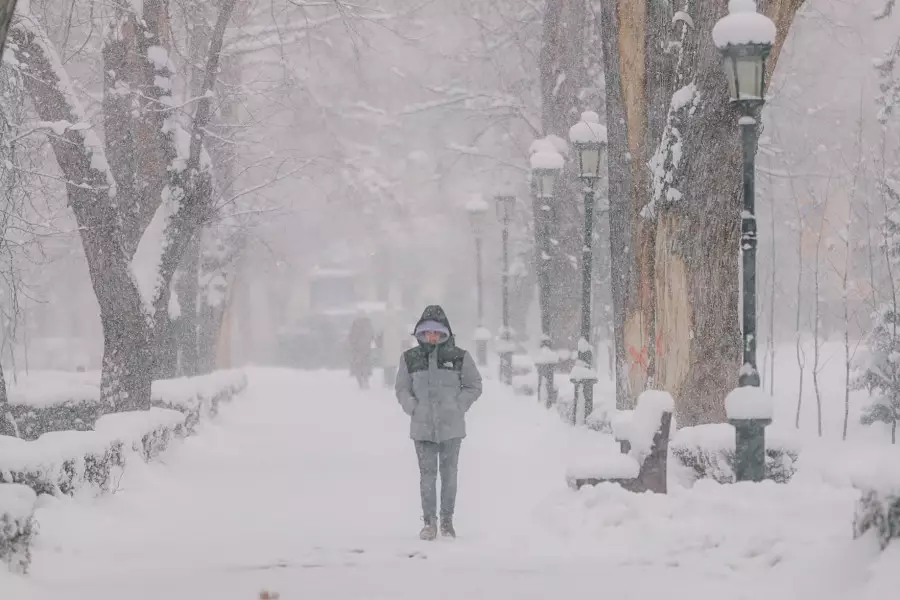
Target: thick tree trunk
(126,378)
(638,68)
(698,207)
(128,365)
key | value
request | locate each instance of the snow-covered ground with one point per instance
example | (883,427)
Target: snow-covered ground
(309,487)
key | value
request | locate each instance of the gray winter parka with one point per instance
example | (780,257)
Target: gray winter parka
(436,385)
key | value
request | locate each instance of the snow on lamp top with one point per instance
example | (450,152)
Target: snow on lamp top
(477,205)
(546,157)
(588,130)
(749,402)
(743,25)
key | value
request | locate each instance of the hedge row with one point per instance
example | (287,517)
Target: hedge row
(64,461)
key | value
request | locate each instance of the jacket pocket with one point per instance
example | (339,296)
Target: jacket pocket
(449,379)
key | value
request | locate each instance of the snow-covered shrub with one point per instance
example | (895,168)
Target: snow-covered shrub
(42,401)
(600,420)
(878,370)
(565,406)
(62,462)
(708,452)
(878,511)
(46,401)
(32,422)
(147,433)
(16,525)
(198,397)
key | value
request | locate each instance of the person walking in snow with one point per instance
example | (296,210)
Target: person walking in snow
(437,383)
(359,342)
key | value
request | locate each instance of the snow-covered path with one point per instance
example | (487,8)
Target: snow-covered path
(308,487)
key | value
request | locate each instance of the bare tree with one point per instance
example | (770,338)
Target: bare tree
(134,235)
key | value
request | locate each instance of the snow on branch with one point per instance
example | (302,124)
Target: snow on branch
(889,84)
(187,198)
(666,159)
(259,38)
(885,11)
(58,106)
(147,260)
(476,101)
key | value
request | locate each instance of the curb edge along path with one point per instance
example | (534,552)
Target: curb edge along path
(309,487)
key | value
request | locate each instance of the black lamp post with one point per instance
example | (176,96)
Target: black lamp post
(546,163)
(478,209)
(505,206)
(588,137)
(745,38)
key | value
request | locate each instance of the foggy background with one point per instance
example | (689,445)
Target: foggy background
(359,141)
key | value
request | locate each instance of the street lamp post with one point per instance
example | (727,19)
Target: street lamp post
(588,137)
(546,163)
(478,209)
(745,38)
(505,206)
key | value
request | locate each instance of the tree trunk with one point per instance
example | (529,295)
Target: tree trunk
(126,377)
(565,45)
(109,239)
(7,9)
(698,203)
(187,290)
(217,259)
(128,365)
(7,423)
(638,71)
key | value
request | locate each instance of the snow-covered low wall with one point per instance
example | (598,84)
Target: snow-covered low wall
(708,452)
(16,525)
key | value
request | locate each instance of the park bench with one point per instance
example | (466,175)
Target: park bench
(640,465)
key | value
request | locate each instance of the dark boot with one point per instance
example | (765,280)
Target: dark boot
(429,531)
(447,527)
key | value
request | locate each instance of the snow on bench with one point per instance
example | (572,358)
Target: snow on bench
(594,456)
(16,525)
(639,462)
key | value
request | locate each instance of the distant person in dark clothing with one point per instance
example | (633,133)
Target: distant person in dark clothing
(437,383)
(359,343)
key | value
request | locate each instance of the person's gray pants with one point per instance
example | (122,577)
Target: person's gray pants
(430,455)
